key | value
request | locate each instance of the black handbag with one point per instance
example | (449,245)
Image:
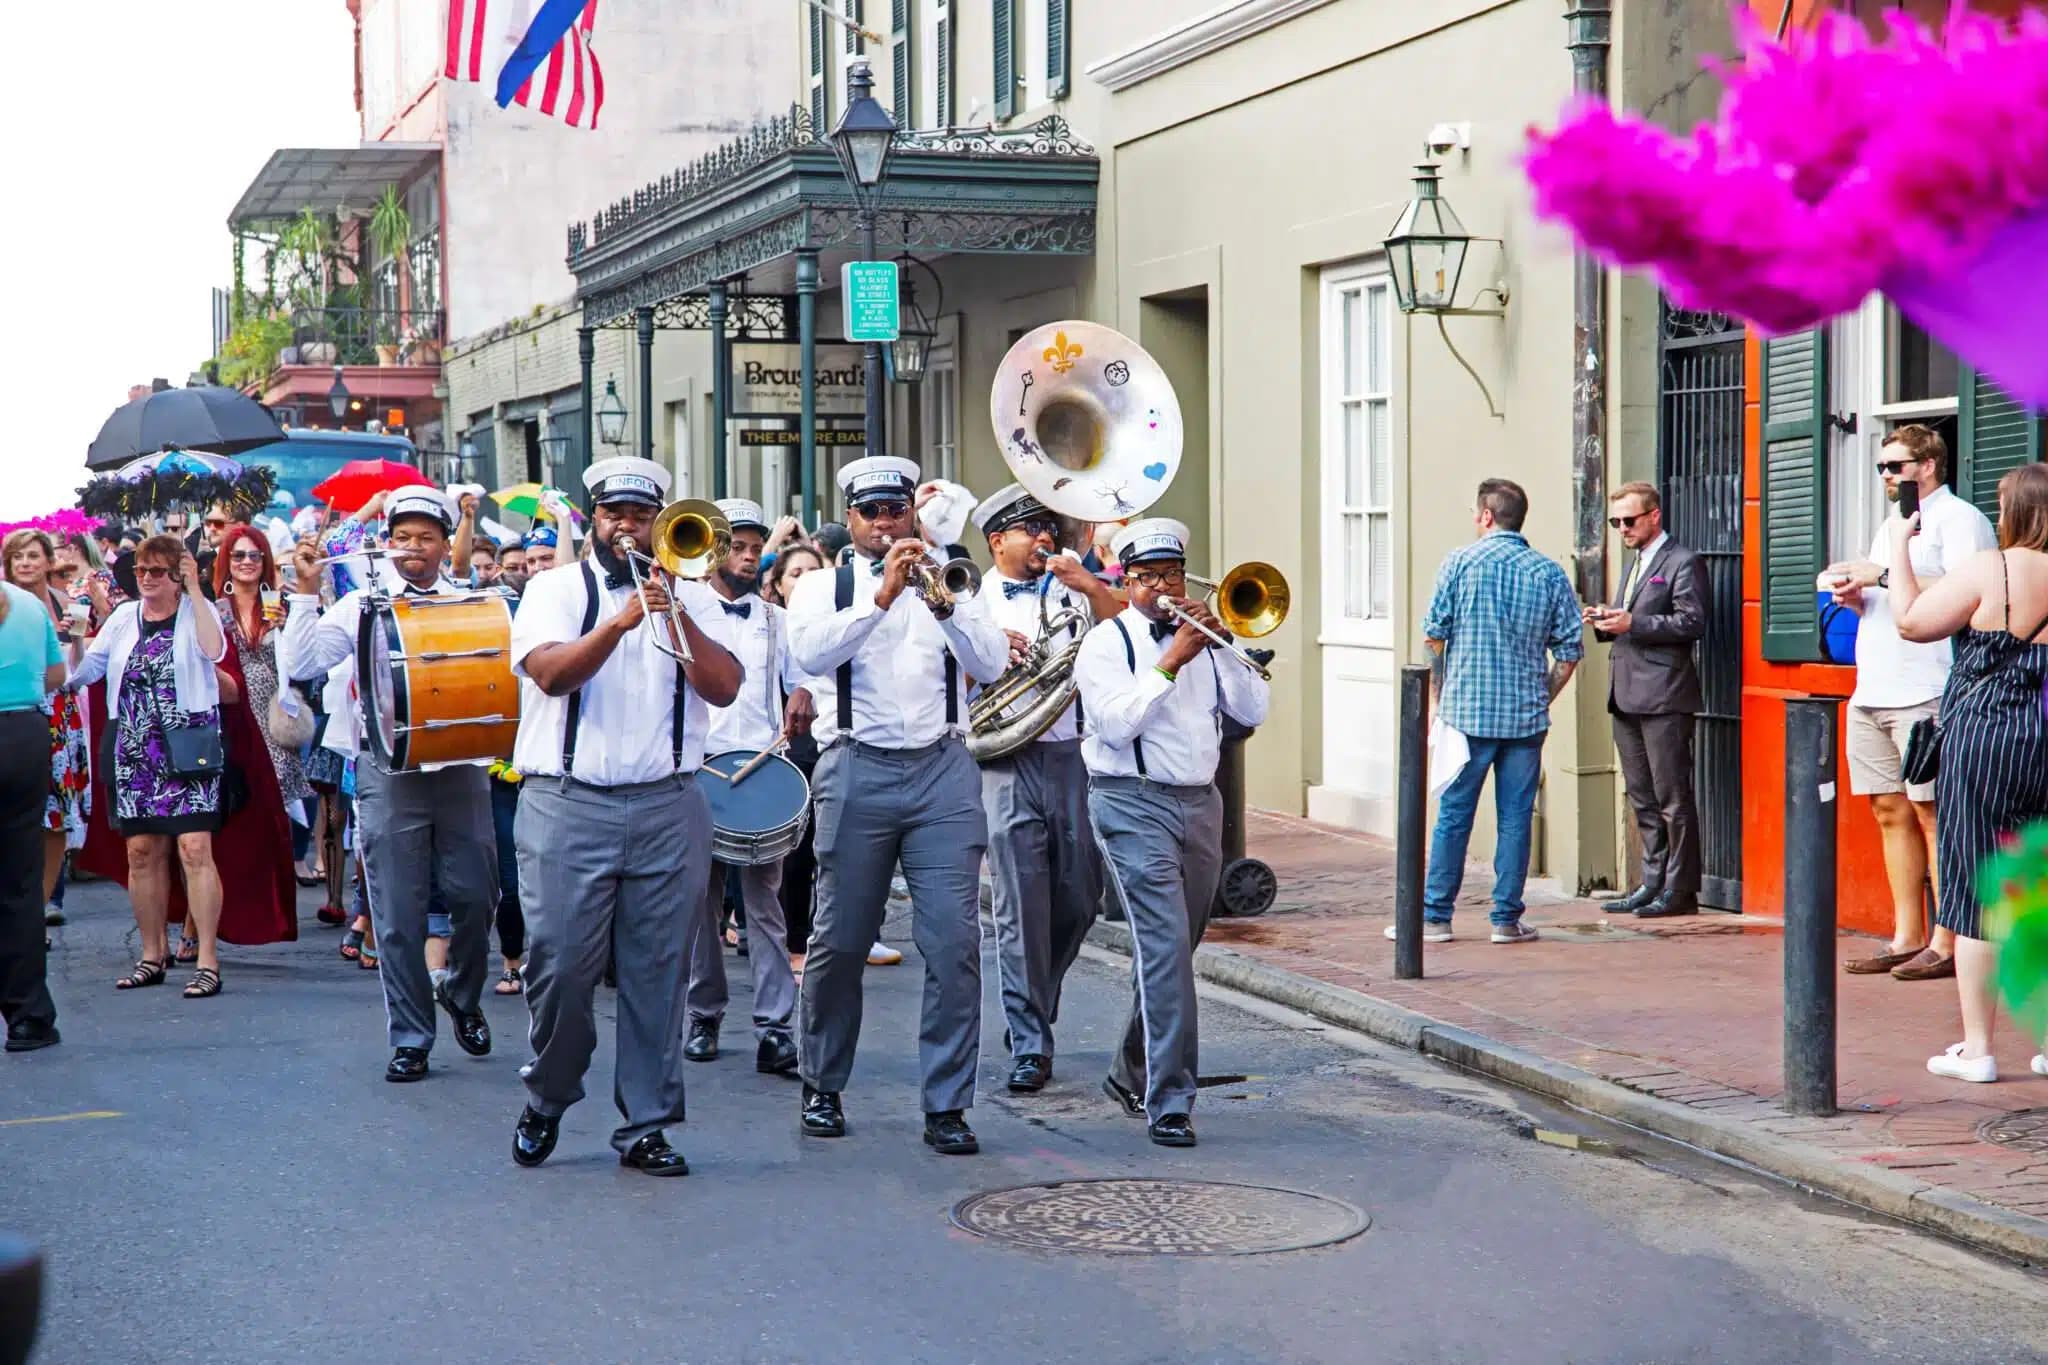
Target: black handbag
(196,751)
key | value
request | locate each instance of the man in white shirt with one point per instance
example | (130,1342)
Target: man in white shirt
(894,779)
(773,705)
(1898,683)
(1155,691)
(614,837)
(421,831)
(1043,865)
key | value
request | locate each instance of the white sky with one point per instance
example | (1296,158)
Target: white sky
(133,129)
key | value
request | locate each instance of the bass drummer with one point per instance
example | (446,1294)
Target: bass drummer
(421,831)
(772,706)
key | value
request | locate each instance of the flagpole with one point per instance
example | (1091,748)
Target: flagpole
(844,22)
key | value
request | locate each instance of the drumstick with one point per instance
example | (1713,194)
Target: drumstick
(715,773)
(758,759)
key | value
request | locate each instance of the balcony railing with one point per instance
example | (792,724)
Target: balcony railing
(364,336)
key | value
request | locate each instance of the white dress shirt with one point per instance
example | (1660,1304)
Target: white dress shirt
(1891,670)
(1021,613)
(1179,720)
(624,732)
(759,640)
(314,642)
(899,676)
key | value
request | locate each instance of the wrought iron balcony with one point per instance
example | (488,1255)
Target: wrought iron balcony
(364,336)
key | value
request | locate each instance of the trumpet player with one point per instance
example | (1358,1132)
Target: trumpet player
(1046,873)
(1154,685)
(614,838)
(894,780)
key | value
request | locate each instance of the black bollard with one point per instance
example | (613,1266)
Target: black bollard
(1810,772)
(1411,818)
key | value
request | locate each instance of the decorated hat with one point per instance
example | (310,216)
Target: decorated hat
(1150,538)
(627,478)
(878,477)
(420,500)
(542,535)
(743,512)
(1006,506)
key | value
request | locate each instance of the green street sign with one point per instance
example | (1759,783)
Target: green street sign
(870,294)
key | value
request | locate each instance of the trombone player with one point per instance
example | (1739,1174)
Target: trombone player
(1154,679)
(614,838)
(1046,873)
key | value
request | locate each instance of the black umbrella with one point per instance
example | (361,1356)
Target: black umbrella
(211,417)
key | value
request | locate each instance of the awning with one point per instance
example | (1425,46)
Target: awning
(327,178)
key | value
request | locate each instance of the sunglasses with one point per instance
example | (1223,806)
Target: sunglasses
(150,571)
(216,523)
(245,557)
(1894,466)
(871,510)
(1626,523)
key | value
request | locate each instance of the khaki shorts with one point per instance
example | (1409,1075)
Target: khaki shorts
(1877,742)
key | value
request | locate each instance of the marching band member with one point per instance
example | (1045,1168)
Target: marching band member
(894,780)
(757,719)
(1154,691)
(614,837)
(419,831)
(1042,860)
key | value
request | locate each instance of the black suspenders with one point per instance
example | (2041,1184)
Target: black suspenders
(575,717)
(842,598)
(1131,659)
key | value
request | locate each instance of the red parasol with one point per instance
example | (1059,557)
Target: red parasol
(356,482)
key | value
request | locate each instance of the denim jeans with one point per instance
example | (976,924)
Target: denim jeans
(1516,766)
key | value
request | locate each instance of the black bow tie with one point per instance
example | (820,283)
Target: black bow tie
(1164,629)
(1017,589)
(740,609)
(875,567)
(618,580)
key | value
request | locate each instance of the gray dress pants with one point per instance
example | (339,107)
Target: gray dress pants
(774,982)
(1163,848)
(1047,879)
(422,832)
(873,807)
(592,873)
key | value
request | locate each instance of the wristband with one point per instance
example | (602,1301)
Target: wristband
(1166,673)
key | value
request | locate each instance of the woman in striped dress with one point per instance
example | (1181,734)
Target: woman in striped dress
(1994,732)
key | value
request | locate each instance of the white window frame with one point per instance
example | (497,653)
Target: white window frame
(941,416)
(1858,369)
(1339,626)
(925,19)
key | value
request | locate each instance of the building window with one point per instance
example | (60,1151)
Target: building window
(821,98)
(903,75)
(1004,31)
(941,397)
(1884,371)
(855,13)
(1358,441)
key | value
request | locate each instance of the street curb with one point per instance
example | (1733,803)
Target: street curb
(1942,1210)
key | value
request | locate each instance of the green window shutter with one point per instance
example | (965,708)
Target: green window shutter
(943,34)
(1006,58)
(1795,501)
(902,66)
(1994,435)
(819,125)
(855,10)
(1057,82)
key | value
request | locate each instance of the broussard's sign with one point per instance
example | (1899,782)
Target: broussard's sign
(767,380)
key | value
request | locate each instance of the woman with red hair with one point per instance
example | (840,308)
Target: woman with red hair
(246,592)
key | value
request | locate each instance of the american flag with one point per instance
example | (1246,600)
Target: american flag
(568,84)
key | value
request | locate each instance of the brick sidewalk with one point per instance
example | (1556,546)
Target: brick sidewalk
(1687,1010)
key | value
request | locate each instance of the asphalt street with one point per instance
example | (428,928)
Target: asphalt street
(232,1180)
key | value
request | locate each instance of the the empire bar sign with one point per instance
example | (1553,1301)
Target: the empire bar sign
(767,380)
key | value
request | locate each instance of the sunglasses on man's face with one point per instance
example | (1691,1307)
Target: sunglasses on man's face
(1895,467)
(1626,523)
(890,510)
(217,524)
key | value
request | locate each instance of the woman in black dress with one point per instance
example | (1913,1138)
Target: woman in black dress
(1994,732)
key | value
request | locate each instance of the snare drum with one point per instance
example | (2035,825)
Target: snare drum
(435,674)
(761,818)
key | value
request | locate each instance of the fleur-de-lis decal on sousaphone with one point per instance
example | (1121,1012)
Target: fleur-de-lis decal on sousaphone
(1062,353)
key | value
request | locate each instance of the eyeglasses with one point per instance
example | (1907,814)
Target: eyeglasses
(1035,528)
(146,572)
(245,556)
(1626,523)
(892,510)
(1894,466)
(1158,578)
(217,523)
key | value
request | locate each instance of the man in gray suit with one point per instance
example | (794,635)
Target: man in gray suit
(1653,693)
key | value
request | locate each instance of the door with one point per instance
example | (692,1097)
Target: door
(1356,629)
(1699,473)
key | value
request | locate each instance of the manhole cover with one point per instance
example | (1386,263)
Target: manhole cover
(2025,1131)
(1159,1218)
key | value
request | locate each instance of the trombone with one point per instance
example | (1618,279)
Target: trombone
(691,538)
(1251,600)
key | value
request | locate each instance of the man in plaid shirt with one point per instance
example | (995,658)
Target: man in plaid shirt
(1505,628)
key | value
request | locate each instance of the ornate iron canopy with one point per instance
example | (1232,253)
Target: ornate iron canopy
(779,189)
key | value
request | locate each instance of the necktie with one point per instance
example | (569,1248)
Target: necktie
(740,609)
(1164,629)
(1017,589)
(1635,575)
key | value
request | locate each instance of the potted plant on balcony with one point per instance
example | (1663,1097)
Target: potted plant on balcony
(384,337)
(390,230)
(308,244)
(422,341)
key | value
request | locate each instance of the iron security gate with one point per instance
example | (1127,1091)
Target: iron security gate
(1699,472)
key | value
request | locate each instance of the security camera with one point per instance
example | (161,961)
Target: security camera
(1445,136)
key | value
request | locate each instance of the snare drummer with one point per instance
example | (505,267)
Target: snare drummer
(423,831)
(758,718)
(614,837)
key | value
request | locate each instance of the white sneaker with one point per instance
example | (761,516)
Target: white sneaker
(882,955)
(1431,933)
(2041,1064)
(1954,1064)
(1517,932)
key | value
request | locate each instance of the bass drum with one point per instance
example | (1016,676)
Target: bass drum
(435,673)
(761,817)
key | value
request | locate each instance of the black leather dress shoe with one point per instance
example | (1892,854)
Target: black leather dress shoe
(24,1038)
(703,1042)
(472,1030)
(1133,1104)
(652,1155)
(822,1116)
(947,1133)
(1629,904)
(407,1064)
(534,1137)
(1674,903)
(777,1054)
(1172,1130)
(1031,1072)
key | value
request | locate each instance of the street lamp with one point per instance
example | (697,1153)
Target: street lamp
(337,397)
(1427,248)
(554,456)
(611,415)
(862,141)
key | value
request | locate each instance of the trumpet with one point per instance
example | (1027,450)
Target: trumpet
(1251,601)
(942,585)
(691,538)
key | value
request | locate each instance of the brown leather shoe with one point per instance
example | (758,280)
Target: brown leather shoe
(1927,965)
(1881,962)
